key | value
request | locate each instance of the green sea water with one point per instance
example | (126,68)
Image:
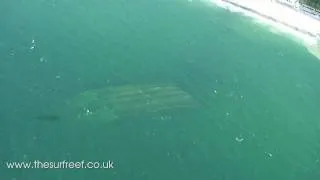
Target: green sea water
(258,92)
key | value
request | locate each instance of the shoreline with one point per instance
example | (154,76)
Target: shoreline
(287,19)
(239,5)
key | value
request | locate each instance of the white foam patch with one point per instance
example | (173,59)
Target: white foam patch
(274,27)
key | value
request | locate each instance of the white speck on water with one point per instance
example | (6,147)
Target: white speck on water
(215,91)
(25,156)
(165,117)
(239,139)
(253,134)
(58,77)
(88,111)
(33,42)
(148,101)
(42,59)
(231,94)
(12,53)
(227,114)
(269,154)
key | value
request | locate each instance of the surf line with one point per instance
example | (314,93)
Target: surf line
(233,3)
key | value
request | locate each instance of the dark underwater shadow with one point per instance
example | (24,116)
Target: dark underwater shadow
(48,117)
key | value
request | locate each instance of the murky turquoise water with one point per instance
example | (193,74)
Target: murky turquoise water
(257,92)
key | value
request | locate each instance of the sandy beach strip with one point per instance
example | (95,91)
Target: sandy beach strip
(278,13)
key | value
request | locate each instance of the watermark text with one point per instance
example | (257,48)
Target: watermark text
(37,164)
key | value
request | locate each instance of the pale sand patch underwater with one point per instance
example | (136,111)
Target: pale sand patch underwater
(109,103)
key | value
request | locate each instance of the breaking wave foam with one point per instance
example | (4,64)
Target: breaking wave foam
(274,27)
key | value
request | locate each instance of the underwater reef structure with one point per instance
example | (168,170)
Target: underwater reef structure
(110,103)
